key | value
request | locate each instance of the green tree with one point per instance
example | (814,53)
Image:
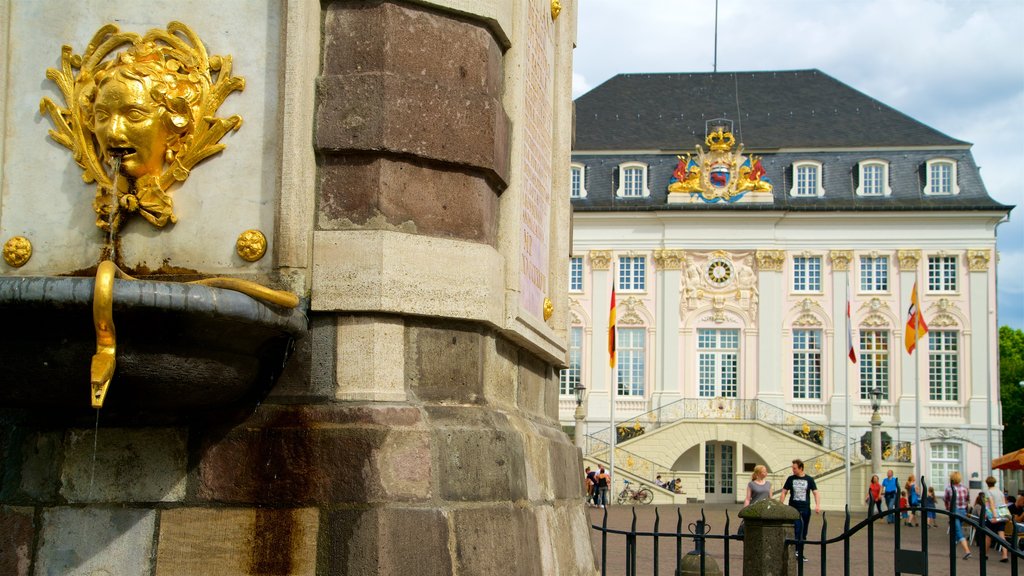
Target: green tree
(1011,374)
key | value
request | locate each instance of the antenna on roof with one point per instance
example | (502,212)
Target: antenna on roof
(715,65)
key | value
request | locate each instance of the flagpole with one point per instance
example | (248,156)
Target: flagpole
(917,412)
(849,346)
(613,341)
(615,432)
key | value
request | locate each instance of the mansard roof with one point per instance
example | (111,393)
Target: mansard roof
(770,110)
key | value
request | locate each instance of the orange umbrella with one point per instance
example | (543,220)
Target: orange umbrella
(1011,461)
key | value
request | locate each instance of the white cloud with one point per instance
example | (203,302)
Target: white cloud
(579,85)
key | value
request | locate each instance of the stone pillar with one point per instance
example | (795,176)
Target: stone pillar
(667,381)
(842,367)
(598,397)
(984,337)
(766,525)
(911,381)
(769,322)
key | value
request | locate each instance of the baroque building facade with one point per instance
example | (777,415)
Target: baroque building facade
(739,217)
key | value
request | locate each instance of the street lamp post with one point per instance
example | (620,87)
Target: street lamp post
(876,430)
(581,414)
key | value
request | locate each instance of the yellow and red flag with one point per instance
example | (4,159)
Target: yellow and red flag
(611,331)
(916,328)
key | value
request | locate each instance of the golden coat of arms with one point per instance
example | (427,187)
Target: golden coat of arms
(721,174)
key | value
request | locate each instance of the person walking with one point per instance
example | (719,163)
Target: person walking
(957,499)
(591,482)
(913,498)
(800,486)
(891,488)
(996,514)
(874,498)
(759,488)
(604,483)
(929,504)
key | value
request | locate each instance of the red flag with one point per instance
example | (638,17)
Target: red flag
(611,331)
(849,329)
(916,328)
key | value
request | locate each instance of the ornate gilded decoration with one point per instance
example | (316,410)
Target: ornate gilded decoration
(908,259)
(549,308)
(719,271)
(669,259)
(721,278)
(17,251)
(841,260)
(942,314)
(628,314)
(977,260)
(252,245)
(875,320)
(720,174)
(556,9)
(600,259)
(770,260)
(149,109)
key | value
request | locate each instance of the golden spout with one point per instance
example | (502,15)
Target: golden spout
(103,362)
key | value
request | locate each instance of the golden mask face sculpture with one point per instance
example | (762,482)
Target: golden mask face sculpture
(146,104)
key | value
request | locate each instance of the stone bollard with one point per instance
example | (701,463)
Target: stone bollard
(766,526)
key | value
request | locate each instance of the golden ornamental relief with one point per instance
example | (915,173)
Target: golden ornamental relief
(251,245)
(556,9)
(669,259)
(720,174)
(770,260)
(841,260)
(600,259)
(139,113)
(908,259)
(17,251)
(978,260)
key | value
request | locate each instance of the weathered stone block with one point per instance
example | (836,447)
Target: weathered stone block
(296,455)
(40,454)
(533,381)
(309,373)
(244,542)
(393,541)
(16,535)
(496,536)
(477,463)
(91,541)
(125,465)
(445,364)
(371,350)
(389,193)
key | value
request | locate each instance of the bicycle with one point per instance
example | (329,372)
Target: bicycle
(639,496)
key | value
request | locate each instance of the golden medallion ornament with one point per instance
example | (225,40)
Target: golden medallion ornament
(549,309)
(17,251)
(556,9)
(139,113)
(251,245)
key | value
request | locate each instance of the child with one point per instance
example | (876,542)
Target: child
(929,504)
(903,504)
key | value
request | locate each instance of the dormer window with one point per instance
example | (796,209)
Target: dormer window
(632,180)
(874,178)
(807,180)
(576,179)
(940,177)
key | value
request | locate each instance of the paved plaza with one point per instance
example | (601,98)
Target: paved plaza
(621,517)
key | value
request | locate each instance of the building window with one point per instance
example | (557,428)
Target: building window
(943,366)
(728,452)
(576,274)
(807,180)
(630,352)
(632,273)
(944,459)
(569,378)
(579,189)
(874,179)
(874,273)
(807,273)
(718,362)
(807,364)
(632,180)
(874,363)
(940,177)
(942,273)
(709,468)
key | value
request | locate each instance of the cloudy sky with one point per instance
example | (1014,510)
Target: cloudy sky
(956,65)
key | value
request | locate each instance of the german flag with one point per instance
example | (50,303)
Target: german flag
(611,331)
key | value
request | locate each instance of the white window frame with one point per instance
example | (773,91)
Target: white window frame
(629,276)
(874,273)
(810,276)
(874,363)
(808,369)
(631,362)
(569,377)
(943,273)
(934,188)
(943,459)
(883,188)
(576,274)
(718,362)
(620,192)
(944,366)
(577,170)
(816,189)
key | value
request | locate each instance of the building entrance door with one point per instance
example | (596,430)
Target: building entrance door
(719,472)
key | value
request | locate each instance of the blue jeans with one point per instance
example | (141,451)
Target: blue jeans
(801,527)
(958,533)
(890,503)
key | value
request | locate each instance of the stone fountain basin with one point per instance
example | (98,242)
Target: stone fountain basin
(182,349)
